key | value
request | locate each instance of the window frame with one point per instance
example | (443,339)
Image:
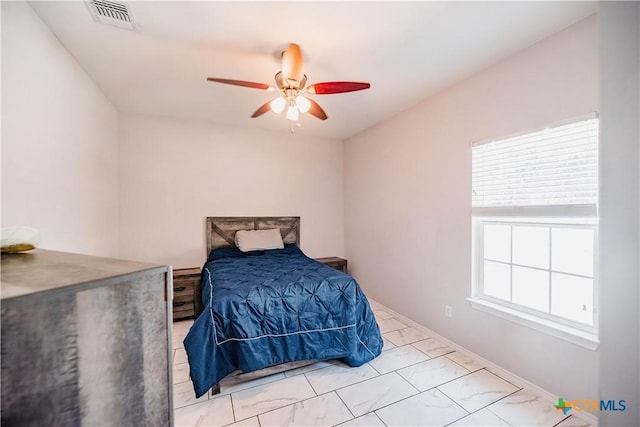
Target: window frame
(582,223)
(565,216)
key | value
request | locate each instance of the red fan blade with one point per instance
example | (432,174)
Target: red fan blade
(240,83)
(263,109)
(316,110)
(327,88)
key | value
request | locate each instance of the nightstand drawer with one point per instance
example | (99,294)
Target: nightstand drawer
(184,287)
(335,262)
(182,305)
(186,282)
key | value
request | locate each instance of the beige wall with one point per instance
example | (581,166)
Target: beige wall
(86,177)
(59,141)
(174,173)
(620,210)
(408,201)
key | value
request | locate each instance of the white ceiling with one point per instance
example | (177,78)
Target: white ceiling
(407,51)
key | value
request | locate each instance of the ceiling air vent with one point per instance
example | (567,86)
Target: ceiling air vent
(110,13)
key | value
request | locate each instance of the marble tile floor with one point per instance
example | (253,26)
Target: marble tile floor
(416,381)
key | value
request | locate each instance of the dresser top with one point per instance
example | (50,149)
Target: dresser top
(42,271)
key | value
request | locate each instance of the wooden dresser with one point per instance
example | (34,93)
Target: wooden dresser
(335,262)
(86,341)
(186,292)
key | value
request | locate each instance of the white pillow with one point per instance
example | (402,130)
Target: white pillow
(256,240)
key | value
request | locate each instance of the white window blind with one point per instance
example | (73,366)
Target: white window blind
(555,167)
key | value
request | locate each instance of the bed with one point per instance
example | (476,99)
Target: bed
(273,307)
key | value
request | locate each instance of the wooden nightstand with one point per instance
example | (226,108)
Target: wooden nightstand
(186,284)
(335,262)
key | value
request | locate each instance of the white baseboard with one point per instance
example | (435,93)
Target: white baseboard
(509,376)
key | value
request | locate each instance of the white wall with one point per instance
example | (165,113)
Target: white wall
(174,173)
(620,210)
(408,202)
(59,141)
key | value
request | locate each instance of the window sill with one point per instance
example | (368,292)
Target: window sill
(566,333)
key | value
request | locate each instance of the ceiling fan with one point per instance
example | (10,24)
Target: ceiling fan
(291,81)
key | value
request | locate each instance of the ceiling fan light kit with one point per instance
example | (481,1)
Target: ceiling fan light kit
(292,112)
(303,104)
(277,105)
(291,83)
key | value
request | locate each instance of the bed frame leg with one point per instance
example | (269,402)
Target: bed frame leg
(215,390)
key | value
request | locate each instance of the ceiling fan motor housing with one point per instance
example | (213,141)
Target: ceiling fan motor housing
(292,64)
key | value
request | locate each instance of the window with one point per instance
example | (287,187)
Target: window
(534,205)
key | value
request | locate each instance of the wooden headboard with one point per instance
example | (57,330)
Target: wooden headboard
(221,230)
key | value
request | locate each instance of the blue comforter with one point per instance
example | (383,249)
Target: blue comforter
(272,307)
